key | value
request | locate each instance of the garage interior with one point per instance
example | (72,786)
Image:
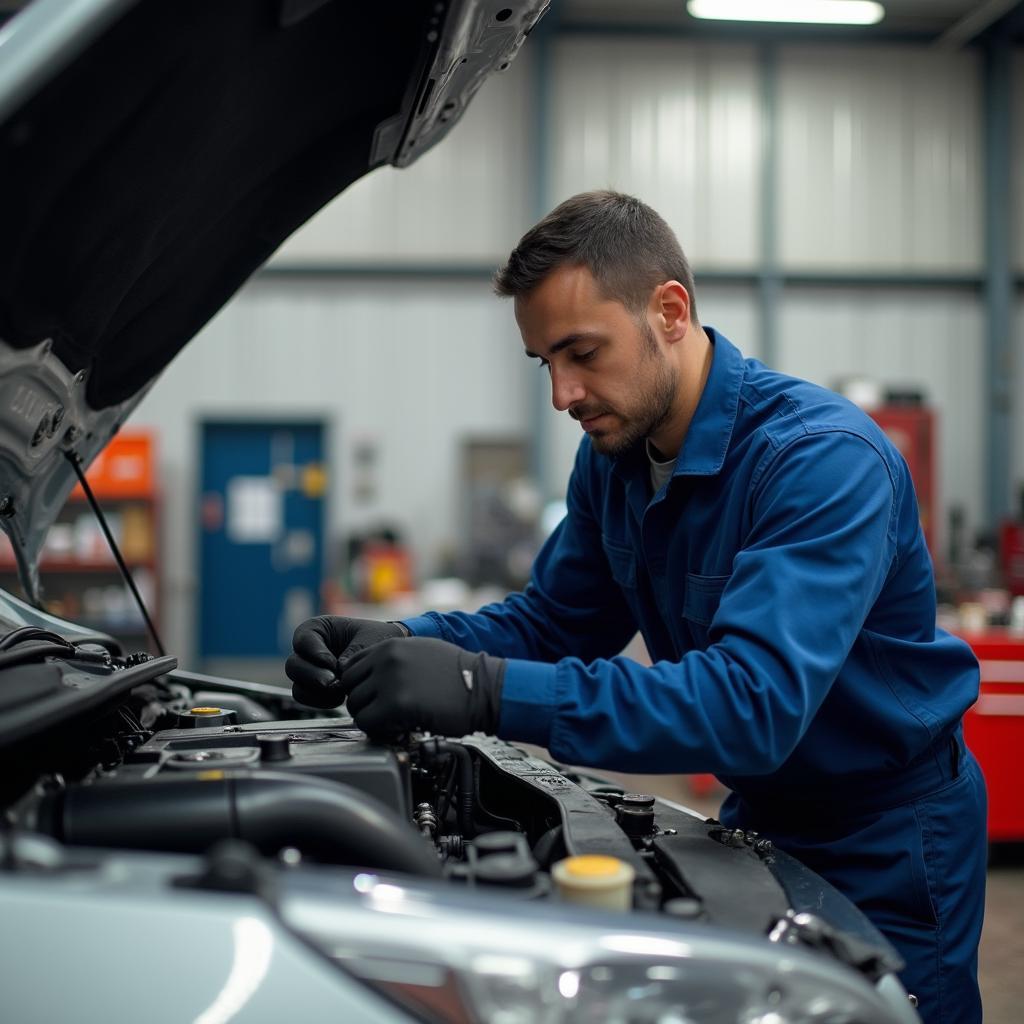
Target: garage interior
(852,202)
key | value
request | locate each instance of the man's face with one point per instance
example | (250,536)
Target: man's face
(607,368)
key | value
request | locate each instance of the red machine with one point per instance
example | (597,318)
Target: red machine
(994,729)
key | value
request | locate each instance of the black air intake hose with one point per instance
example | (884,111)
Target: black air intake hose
(329,821)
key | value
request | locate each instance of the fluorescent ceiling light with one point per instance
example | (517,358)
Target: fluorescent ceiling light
(816,12)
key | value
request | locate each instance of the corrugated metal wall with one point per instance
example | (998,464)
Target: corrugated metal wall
(879,171)
(880,159)
(675,123)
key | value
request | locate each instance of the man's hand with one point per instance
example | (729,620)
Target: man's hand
(426,684)
(322,647)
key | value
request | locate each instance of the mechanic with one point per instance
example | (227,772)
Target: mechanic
(762,534)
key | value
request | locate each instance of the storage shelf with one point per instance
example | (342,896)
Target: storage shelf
(81,579)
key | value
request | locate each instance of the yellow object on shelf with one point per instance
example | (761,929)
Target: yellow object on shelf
(136,533)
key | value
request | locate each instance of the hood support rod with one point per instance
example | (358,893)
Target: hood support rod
(76,464)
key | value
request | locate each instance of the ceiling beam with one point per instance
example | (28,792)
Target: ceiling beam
(971,25)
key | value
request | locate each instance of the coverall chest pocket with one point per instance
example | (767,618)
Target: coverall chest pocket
(703,594)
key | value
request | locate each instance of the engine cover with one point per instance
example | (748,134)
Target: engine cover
(341,753)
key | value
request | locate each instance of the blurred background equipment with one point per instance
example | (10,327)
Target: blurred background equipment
(1011,550)
(502,510)
(379,566)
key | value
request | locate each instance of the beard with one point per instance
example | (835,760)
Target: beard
(657,384)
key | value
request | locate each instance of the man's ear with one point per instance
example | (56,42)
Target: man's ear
(672,302)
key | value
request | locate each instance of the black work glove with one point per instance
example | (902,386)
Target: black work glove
(322,646)
(422,683)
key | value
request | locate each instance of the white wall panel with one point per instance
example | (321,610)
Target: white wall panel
(880,159)
(675,123)
(733,310)
(409,365)
(730,309)
(930,341)
(466,199)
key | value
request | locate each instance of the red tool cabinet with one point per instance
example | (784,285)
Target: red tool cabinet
(994,729)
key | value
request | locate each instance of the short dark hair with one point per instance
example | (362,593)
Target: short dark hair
(625,244)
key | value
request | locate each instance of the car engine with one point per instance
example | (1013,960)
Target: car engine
(106,751)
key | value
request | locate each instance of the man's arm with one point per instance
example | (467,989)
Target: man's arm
(816,558)
(572,606)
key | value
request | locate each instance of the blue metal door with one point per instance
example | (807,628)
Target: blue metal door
(261,525)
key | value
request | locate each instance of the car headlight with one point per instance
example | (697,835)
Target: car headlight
(458,956)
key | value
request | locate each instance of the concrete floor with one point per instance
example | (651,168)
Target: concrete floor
(1002,941)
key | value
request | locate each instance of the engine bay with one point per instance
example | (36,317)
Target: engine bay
(125,753)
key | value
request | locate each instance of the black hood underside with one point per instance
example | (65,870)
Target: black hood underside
(147,181)
(153,154)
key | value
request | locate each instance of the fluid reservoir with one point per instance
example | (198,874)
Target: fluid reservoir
(596,881)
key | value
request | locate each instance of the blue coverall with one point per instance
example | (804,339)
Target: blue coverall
(781,582)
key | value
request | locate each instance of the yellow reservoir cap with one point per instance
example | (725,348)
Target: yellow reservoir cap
(593,865)
(204,711)
(595,880)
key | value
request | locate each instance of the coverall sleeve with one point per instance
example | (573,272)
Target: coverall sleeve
(571,606)
(818,552)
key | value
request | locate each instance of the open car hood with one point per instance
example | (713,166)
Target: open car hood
(153,155)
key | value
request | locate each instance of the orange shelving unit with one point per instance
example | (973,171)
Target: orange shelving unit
(80,578)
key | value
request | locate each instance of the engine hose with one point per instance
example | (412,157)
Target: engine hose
(328,821)
(435,748)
